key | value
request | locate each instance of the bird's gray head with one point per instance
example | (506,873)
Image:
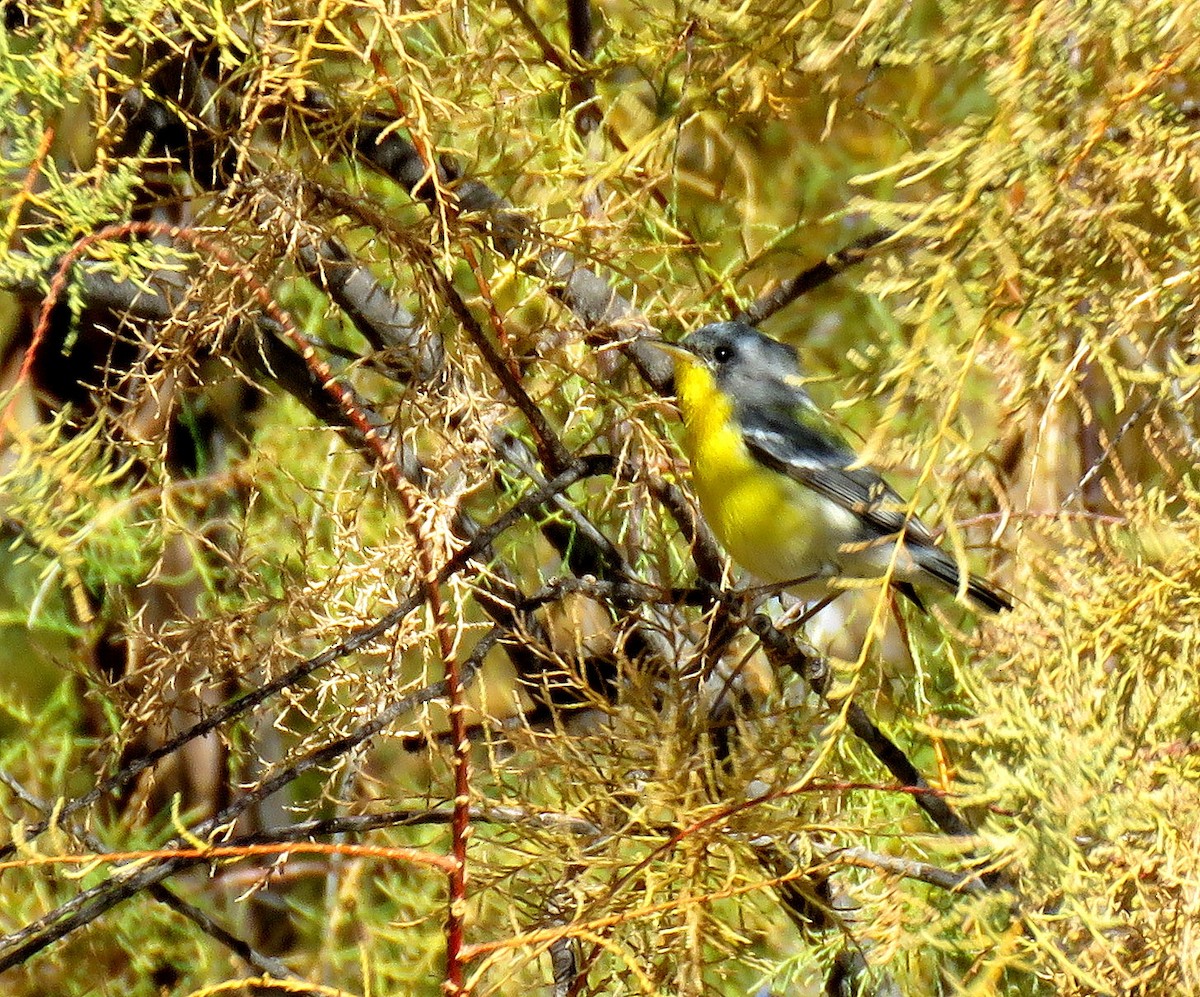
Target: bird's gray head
(752,368)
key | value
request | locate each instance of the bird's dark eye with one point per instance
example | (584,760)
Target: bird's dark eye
(723,353)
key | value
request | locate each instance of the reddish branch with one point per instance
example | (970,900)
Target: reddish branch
(410,499)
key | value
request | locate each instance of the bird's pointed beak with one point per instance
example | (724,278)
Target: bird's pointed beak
(676,351)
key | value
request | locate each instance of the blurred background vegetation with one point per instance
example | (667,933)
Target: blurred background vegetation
(189,511)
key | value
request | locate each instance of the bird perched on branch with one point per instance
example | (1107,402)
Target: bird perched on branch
(782,490)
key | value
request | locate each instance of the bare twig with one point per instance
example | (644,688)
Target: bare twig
(204,921)
(806,661)
(359,639)
(85,907)
(784,293)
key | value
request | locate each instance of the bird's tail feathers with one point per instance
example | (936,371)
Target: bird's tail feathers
(980,591)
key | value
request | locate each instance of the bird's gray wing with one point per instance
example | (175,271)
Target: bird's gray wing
(818,459)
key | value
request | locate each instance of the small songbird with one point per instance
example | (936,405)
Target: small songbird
(781,489)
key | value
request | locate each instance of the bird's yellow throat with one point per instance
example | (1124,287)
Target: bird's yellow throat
(773,527)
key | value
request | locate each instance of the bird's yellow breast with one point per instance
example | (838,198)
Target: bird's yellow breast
(772,526)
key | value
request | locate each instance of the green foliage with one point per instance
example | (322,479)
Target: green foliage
(69,491)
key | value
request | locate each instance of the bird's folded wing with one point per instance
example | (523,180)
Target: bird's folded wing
(821,461)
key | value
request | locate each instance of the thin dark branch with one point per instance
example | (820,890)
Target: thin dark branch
(588,295)
(550,448)
(549,52)
(606,559)
(784,293)
(218,932)
(85,907)
(583,88)
(805,660)
(851,974)
(898,865)
(204,921)
(362,823)
(579,26)
(897,763)
(382,320)
(709,561)
(363,637)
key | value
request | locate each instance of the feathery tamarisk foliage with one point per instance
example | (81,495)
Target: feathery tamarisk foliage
(341,510)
